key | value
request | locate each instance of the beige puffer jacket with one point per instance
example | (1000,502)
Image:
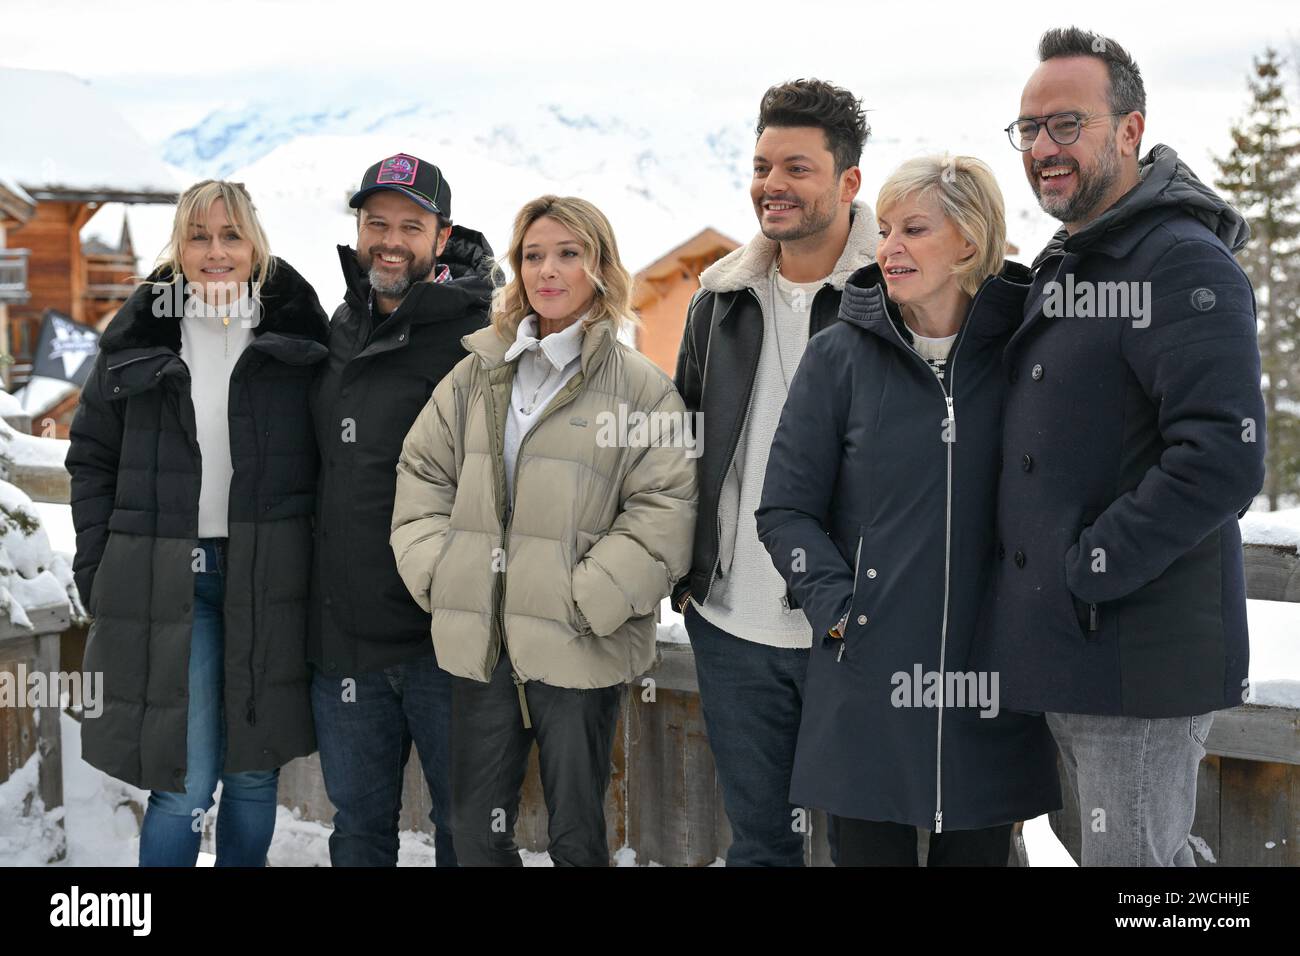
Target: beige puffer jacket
(599,532)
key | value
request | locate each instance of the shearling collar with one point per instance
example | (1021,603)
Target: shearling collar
(289,308)
(748,266)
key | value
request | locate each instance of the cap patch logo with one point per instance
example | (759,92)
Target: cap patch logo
(399,169)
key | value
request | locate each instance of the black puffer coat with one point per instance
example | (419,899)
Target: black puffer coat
(377,379)
(135,465)
(870,508)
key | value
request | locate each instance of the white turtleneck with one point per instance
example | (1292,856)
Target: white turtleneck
(211,348)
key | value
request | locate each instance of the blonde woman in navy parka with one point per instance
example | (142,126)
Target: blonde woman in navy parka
(878,509)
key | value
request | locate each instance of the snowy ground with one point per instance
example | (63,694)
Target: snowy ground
(101,817)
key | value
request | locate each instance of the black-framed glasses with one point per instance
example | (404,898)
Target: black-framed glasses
(1064,128)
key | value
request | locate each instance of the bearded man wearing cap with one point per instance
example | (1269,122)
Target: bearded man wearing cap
(416,285)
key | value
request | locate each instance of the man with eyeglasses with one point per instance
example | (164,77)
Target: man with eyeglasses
(1133,437)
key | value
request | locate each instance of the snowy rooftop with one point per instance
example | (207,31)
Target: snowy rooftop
(13,187)
(61,139)
(42,393)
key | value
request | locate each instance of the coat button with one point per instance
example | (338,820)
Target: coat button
(862,619)
(402,337)
(186,607)
(1019,558)
(117,388)
(1027,463)
(1037,373)
(871,572)
(1002,551)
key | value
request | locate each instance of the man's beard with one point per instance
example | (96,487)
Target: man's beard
(1089,193)
(394,286)
(816,217)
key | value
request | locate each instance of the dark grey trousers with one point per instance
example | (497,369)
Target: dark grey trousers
(574,730)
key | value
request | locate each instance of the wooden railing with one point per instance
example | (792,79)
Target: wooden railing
(665,803)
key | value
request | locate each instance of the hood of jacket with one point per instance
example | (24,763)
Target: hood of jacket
(748,266)
(473,277)
(1166,184)
(866,303)
(289,308)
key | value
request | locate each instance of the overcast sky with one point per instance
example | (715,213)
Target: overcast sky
(932,74)
(167,64)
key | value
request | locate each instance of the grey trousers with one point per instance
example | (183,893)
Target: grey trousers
(1135,780)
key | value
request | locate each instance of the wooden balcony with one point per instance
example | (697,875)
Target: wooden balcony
(109,277)
(13,276)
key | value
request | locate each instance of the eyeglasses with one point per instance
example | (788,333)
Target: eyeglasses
(1063,128)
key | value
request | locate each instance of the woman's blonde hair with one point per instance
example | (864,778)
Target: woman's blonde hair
(967,192)
(611,280)
(194,205)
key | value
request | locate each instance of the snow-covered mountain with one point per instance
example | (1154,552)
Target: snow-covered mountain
(661,173)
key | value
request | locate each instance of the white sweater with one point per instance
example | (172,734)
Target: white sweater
(746,599)
(210,349)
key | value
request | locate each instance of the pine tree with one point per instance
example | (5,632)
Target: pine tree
(1261,177)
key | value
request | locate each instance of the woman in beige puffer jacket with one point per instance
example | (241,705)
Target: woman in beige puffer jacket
(545,505)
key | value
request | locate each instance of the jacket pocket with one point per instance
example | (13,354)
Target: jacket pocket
(582,543)
(106,564)
(847,616)
(1087,616)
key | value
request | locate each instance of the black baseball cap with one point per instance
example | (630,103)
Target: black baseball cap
(411,176)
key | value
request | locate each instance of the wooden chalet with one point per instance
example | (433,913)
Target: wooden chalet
(70,152)
(663,290)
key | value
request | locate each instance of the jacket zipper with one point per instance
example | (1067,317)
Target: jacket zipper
(252,593)
(857,563)
(948,390)
(138,358)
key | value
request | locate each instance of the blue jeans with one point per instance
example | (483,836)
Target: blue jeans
(752,697)
(173,822)
(365,730)
(1135,782)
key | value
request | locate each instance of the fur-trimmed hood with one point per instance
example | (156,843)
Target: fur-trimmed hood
(747,267)
(289,307)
